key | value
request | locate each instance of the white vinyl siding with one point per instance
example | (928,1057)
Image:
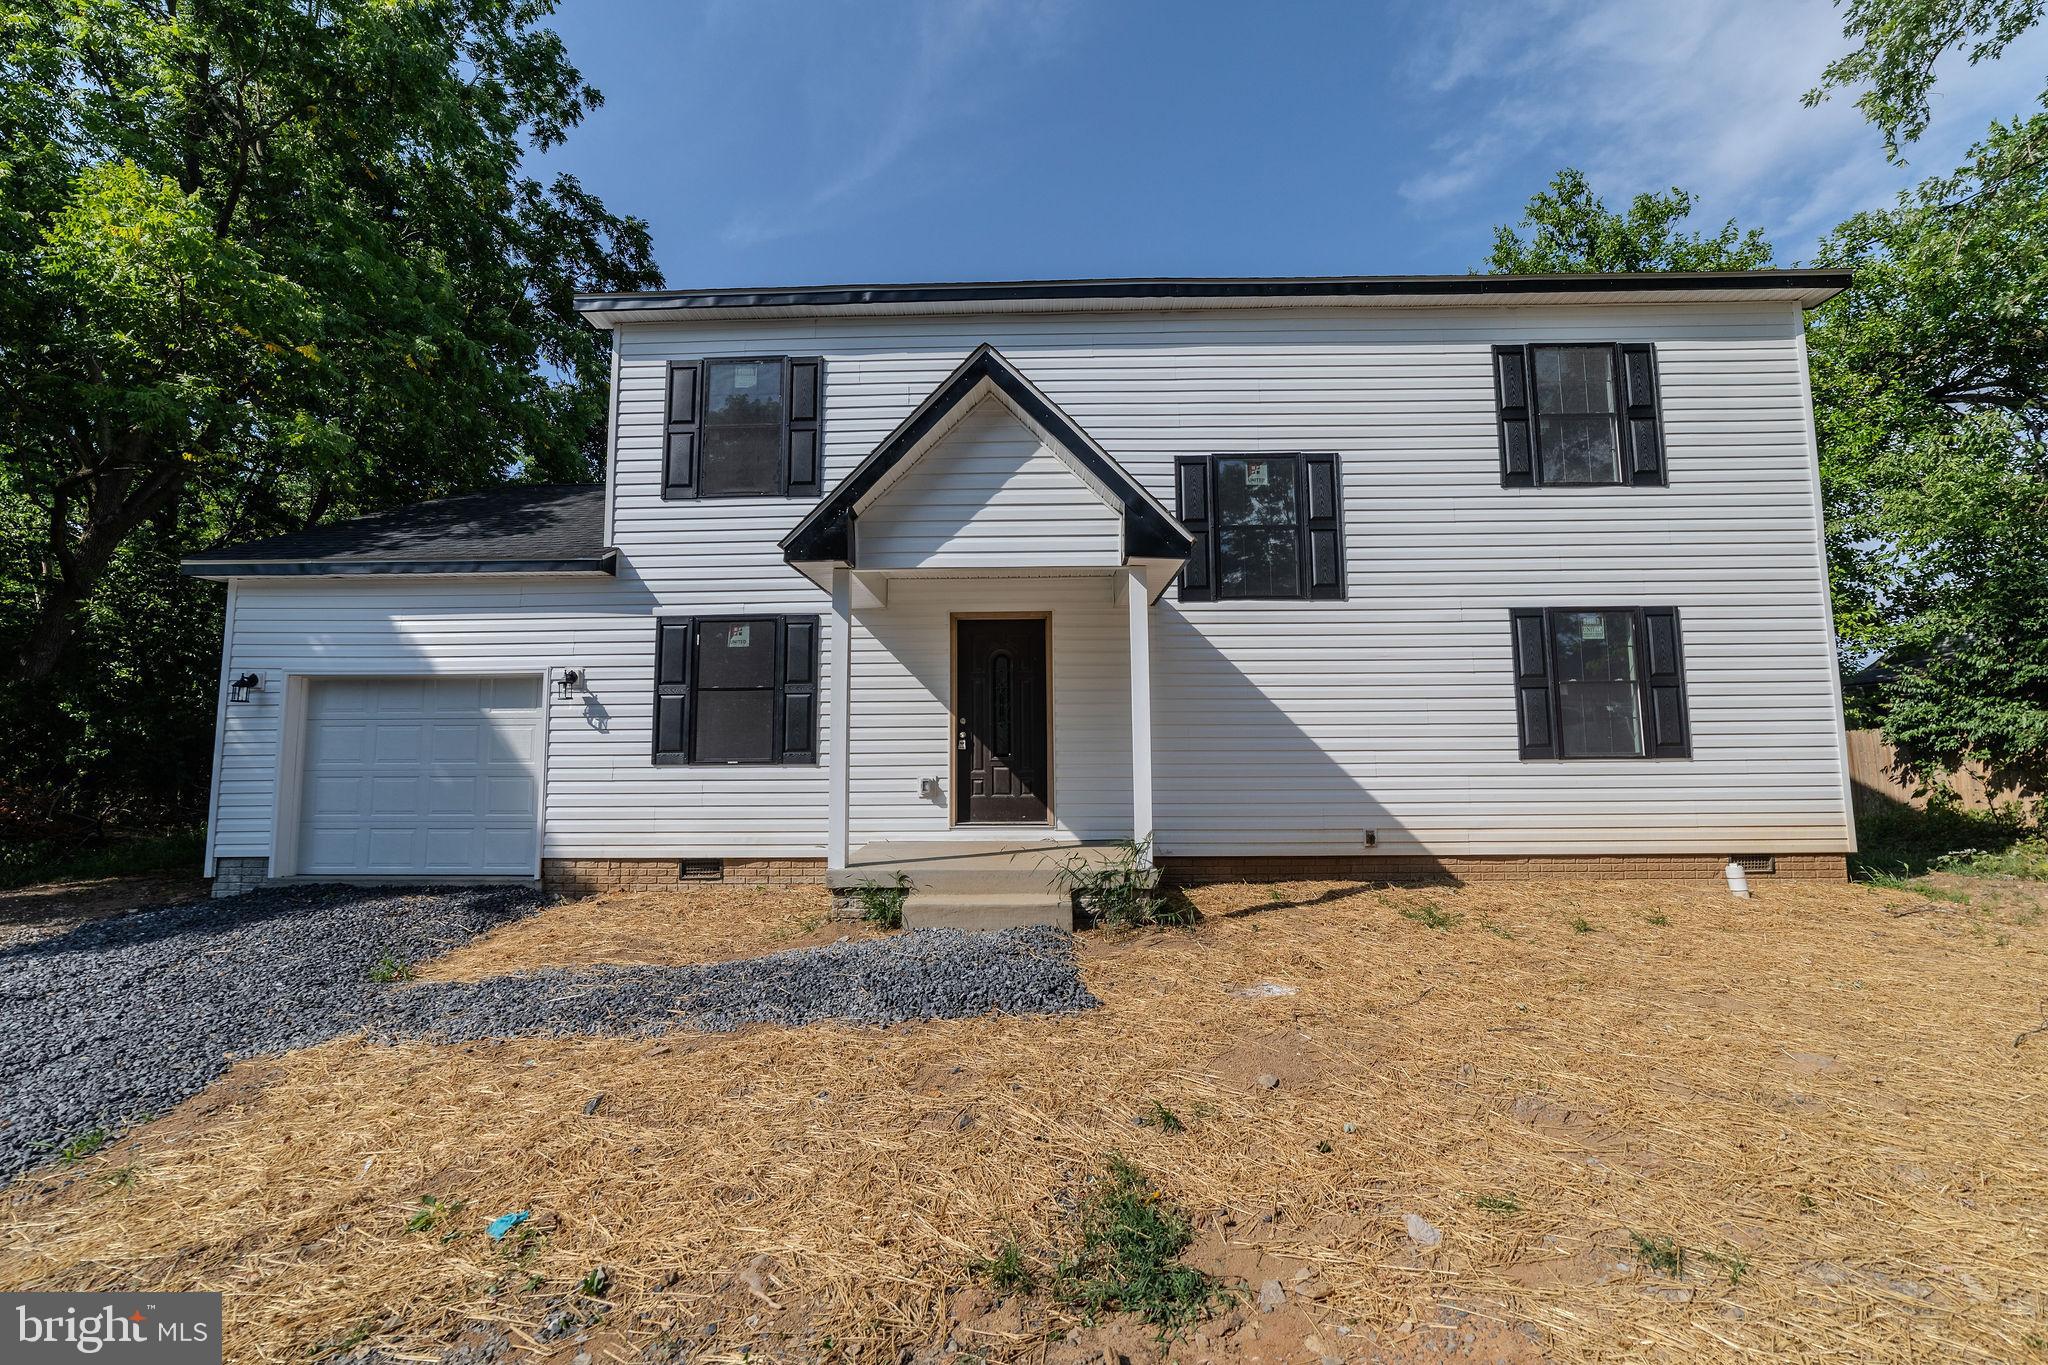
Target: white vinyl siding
(1279,727)
(989,494)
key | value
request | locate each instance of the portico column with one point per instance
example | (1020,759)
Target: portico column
(1139,598)
(839,701)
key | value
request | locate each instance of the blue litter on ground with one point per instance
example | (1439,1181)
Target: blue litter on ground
(505,1222)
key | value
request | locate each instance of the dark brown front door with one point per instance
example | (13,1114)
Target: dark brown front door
(999,739)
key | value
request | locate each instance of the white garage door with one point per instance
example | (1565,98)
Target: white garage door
(436,776)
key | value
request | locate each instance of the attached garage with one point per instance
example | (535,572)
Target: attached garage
(436,776)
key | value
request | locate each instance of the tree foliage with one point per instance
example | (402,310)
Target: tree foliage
(1931,397)
(265,262)
(1898,44)
(1569,229)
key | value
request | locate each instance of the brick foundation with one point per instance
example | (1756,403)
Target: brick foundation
(1817,867)
(586,876)
(237,876)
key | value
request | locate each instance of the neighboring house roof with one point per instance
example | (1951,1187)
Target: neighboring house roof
(1808,288)
(827,534)
(532,528)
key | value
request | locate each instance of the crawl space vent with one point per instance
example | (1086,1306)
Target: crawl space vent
(1758,864)
(701,870)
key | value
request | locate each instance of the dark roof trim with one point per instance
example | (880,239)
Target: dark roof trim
(827,534)
(1316,287)
(606,563)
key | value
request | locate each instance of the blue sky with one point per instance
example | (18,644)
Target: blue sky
(778,142)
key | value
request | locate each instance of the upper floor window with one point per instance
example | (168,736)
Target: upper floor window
(1600,682)
(1265,526)
(743,426)
(1578,415)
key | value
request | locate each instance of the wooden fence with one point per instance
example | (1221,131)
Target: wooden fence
(1874,773)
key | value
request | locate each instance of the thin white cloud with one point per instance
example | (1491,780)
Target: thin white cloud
(1706,96)
(945,74)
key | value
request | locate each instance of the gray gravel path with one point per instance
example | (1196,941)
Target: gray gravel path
(122,1018)
(923,974)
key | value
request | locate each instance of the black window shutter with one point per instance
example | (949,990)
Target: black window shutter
(1667,731)
(1532,682)
(1512,408)
(1324,512)
(673,639)
(1641,427)
(1191,488)
(806,394)
(679,451)
(799,719)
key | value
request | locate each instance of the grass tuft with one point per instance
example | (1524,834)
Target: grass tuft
(84,1145)
(389,971)
(1661,1254)
(1430,915)
(881,903)
(1007,1272)
(1581,925)
(1497,1203)
(1129,1257)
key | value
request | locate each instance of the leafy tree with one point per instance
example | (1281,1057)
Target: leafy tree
(1569,228)
(1931,397)
(263,262)
(1899,43)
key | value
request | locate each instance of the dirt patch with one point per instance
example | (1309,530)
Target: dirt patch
(1494,1137)
(33,913)
(688,925)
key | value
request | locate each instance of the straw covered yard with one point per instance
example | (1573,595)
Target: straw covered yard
(1572,1122)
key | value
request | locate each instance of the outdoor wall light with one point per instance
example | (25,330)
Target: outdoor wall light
(242,688)
(565,686)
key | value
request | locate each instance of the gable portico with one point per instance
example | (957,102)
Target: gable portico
(988,504)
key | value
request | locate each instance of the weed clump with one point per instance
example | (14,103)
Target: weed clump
(881,903)
(1129,1257)
(1430,915)
(389,971)
(1006,1271)
(1121,891)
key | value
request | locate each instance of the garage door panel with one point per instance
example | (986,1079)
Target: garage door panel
(396,743)
(503,744)
(458,796)
(454,742)
(457,696)
(452,850)
(513,694)
(337,742)
(509,795)
(394,796)
(336,796)
(409,776)
(507,846)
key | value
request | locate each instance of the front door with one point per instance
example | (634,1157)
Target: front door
(1000,722)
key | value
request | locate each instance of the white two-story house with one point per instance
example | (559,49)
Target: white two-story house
(1472,576)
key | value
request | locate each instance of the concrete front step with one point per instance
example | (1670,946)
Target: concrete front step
(1000,910)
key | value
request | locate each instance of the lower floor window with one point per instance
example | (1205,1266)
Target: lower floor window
(736,690)
(1600,682)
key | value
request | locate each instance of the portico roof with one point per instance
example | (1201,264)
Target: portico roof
(829,535)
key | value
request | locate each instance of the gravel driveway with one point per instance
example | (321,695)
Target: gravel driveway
(120,1019)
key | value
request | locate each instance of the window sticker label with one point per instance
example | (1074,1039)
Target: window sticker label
(739,637)
(1255,475)
(743,376)
(1595,627)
